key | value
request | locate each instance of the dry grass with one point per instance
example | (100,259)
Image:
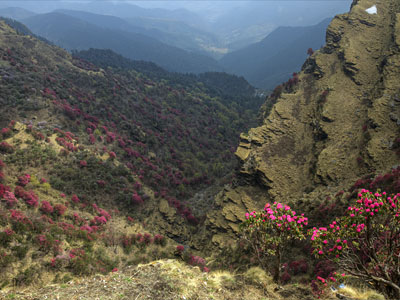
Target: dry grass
(168,279)
(361,294)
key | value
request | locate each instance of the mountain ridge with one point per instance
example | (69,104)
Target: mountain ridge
(272,61)
(81,35)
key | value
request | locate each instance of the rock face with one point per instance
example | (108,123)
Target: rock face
(339,124)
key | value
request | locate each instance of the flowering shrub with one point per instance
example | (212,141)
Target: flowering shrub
(59,209)
(366,241)
(24,180)
(46,208)
(3,189)
(180,249)
(136,199)
(48,243)
(29,197)
(147,238)
(285,277)
(6,132)
(198,261)
(75,199)
(101,183)
(298,267)
(10,198)
(6,147)
(269,232)
(160,240)
(98,220)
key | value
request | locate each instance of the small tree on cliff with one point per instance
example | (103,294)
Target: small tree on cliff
(270,231)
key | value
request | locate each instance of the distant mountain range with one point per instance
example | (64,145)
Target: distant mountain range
(172,32)
(16,13)
(173,44)
(80,35)
(273,60)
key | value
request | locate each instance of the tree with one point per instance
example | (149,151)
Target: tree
(269,232)
(366,241)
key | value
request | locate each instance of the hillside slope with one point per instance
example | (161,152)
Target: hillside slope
(98,166)
(337,123)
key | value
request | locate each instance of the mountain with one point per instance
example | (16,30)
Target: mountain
(82,35)
(273,60)
(16,13)
(171,32)
(248,22)
(125,10)
(117,9)
(182,35)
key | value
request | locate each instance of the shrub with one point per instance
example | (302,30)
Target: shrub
(197,261)
(160,240)
(60,209)
(20,251)
(75,199)
(46,208)
(26,277)
(180,249)
(285,278)
(269,232)
(10,198)
(147,238)
(101,183)
(24,180)
(98,220)
(6,237)
(365,242)
(29,197)
(136,199)
(3,190)
(112,155)
(6,132)
(297,267)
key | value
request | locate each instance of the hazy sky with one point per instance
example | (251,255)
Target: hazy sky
(197,6)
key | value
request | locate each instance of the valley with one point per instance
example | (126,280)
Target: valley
(135,169)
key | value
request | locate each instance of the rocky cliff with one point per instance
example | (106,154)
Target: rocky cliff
(339,123)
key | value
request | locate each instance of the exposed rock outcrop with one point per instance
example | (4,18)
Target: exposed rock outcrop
(339,124)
